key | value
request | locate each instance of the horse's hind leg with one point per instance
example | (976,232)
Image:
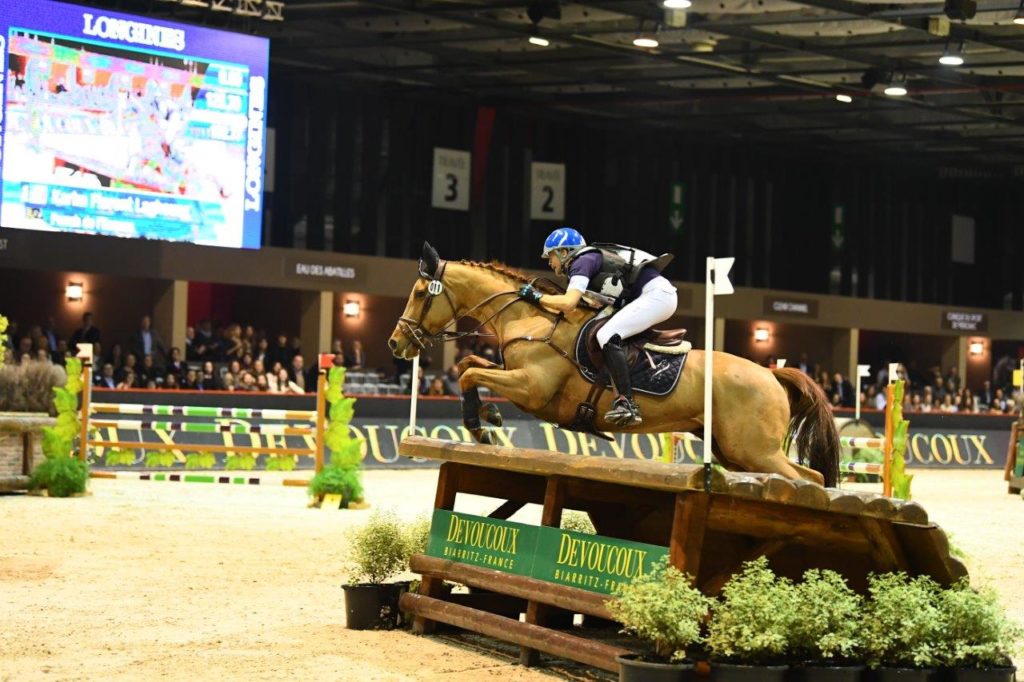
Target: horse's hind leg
(756,445)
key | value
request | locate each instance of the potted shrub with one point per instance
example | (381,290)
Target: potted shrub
(902,627)
(344,473)
(664,609)
(380,551)
(750,632)
(826,635)
(26,406)
(62,473)
(979,640)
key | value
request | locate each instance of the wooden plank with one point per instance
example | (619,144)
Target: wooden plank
(26,453)
(910,512)
(531,636)
(562,596)
(448,479)
(745,486)
(927,550)
(689,524)
(778,489)
(551,516)
(802,526)
(503,485)
(714,584)
(506,510)
(12,483)
(887,554)
(1011,452)
(809,495)
(637,474)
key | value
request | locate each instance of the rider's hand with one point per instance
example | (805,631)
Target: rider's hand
(528,293)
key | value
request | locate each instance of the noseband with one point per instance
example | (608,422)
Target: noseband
(414,328)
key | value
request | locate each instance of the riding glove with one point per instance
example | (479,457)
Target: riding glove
(528,293)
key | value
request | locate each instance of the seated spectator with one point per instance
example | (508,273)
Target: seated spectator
(208,378)
(300,376)
(191,381)
(235,367)
(130,362)
(228,381)
(60,355)
(171,382)
(246,382)
(357,358)
(148,371)
(128,381)
(175,365)
(116,356)
(43,355)
(261,351)
(261,383)
(105,379)
(282,383)
(247,361)
(436,387)
(451,381)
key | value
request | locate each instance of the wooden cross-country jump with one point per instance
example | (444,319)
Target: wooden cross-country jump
(796,524)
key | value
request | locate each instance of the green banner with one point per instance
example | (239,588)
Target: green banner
(1018,469)
(590,562)
(490,543)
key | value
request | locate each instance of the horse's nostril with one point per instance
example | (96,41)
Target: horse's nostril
(393,344)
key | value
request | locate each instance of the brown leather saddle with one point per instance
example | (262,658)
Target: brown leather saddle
(666,338)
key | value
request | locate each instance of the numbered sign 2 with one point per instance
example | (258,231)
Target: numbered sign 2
(451,179)
(547,191)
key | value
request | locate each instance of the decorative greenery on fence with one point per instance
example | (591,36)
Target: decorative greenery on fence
(63,474)
(900,426)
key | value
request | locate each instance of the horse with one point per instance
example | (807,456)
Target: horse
(756,410)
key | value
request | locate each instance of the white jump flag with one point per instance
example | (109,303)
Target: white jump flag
(717,284)
(780,363)
(862,371)
(894,371)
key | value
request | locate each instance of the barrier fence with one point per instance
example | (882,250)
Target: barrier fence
(90,424)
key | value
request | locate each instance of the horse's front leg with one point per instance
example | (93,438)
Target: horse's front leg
(518,385)
(473,408)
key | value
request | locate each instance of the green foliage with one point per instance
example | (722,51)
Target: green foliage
(338,481)
(977,632)
(240,461)
(380,549)
(902,625)
(200,460)
(662,608)
(73,367)
(280,463)
(753,622)
(335,381)
(119,457)
(54,444)
(61,476)
(900,426)
(578,522)
(160,458)
(827,626)
(418,535)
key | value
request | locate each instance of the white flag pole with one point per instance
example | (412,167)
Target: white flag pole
(862,371)
(414,388)
(709,349)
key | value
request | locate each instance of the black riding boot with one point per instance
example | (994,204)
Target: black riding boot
(624,410)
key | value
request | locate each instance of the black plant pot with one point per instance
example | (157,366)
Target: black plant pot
(902,675)
(820,672)
(1008,674)
(632,669)
(732,672)
(373,607)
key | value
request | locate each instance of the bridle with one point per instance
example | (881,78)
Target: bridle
(423,338)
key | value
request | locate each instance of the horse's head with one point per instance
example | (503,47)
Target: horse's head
(428,311)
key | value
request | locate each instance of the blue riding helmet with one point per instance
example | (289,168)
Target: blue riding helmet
(563,238)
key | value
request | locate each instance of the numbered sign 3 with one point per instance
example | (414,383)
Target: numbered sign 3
(547,191)
(451,179)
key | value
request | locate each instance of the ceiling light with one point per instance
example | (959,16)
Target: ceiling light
(645,41)
(538,41)
(760,334)
(73,291)
(896,90)
(845,99)
(952,56)
(677,4)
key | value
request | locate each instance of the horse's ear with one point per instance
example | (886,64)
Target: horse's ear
(429,260)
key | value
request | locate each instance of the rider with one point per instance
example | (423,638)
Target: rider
(630,276)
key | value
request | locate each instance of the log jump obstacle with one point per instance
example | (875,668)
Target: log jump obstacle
(639,509)
(315,427)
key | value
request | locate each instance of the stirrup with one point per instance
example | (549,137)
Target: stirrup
(624,412)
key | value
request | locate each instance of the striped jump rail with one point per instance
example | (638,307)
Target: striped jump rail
(202,427)
(861,468)
(197,411)
(861,442)
(199,478)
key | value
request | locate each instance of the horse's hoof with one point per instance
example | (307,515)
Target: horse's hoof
(490,413)
(484,436)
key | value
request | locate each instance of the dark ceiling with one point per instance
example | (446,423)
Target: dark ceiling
(764,71)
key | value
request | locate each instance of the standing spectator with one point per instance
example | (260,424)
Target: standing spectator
(147,341)
(842,391)
(357,358)
(191,349)
(60,355)
(261,351)
(234,349)
(338,350)
(175,364)
(116,356)
(985,395)
(52,337)
(280,352)
(804,365)
(87,333)
(205,343)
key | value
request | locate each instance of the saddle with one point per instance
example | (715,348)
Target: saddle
(668,341)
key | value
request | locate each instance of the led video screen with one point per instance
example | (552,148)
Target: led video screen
(129,126)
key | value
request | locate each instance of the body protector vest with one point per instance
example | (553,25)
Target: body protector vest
(619,268)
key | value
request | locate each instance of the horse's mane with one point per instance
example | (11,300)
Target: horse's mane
(515,275)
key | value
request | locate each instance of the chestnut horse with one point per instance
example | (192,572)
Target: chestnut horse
(756,410)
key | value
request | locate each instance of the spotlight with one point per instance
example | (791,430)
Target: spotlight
(977,347)
(677,4)
(896,90)
(845,99)
(73,291)
(351,308)
(1018,18)
(952,56)
(645,41)
(760,334)
(539,42)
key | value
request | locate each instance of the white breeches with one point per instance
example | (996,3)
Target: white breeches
(656,303)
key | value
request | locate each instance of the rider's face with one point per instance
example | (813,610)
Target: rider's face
(553,261)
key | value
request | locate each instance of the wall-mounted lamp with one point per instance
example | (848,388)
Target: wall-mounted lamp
(760,334)
(74,291)
(976,347)
(351,308)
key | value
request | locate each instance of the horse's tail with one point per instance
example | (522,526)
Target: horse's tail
(810,418)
